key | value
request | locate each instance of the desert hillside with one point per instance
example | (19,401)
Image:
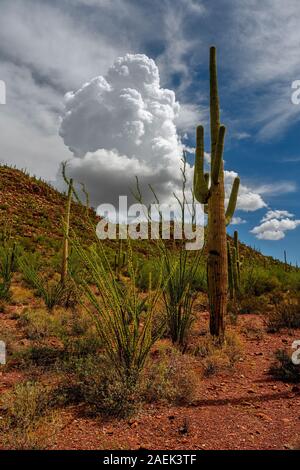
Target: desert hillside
(172,385)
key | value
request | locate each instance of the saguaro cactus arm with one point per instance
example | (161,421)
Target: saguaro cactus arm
(217,160)
(232,200)
(201,190)
(214,101)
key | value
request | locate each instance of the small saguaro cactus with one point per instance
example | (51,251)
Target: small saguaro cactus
(234,267)
(209,190)
(238,257)
(230,273)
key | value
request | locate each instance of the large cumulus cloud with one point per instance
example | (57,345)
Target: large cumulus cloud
(121,126)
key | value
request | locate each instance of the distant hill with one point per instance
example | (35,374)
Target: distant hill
(32,210)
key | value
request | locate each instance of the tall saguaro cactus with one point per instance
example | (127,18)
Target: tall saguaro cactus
(209,190)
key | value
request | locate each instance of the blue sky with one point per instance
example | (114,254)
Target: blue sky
(48,48)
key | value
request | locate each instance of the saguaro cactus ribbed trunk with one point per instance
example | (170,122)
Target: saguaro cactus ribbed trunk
(209,190)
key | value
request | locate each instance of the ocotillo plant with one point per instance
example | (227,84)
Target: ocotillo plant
(65,254)
(209,190)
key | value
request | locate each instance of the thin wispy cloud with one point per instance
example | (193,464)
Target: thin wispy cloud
(48,48)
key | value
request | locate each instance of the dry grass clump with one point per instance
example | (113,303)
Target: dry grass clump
(53,339)
(252,330)
(171,377)
(27,420)
(215,358)
(93,382)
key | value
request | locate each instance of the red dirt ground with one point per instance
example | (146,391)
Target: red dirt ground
(243,409)
(240,410)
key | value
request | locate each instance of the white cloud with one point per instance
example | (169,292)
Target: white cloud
(248,199)
(122,125)
(44,52)
(279,187)
(274,225)
(52,44)
(237,221)
(188,117)
(268,35)
(276,214)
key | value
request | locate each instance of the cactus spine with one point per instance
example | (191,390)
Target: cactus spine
(213,197)
(65,254)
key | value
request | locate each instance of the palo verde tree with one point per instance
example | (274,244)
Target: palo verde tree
(209,190)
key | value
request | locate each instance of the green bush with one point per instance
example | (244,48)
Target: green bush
(96,384)
(8,264)
(171,378)
(257,281)
(52,292)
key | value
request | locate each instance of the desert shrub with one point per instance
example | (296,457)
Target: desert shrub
(5,294)
(284,369)
(252,330)
(288,280)
(171,378)
(252,304)
(285,314)
(257,281)
(52,292)
(27,423)
(38,325)
(57,338)
(8,264)
(37,355)
(96,384)
(216,358)
(8,260)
